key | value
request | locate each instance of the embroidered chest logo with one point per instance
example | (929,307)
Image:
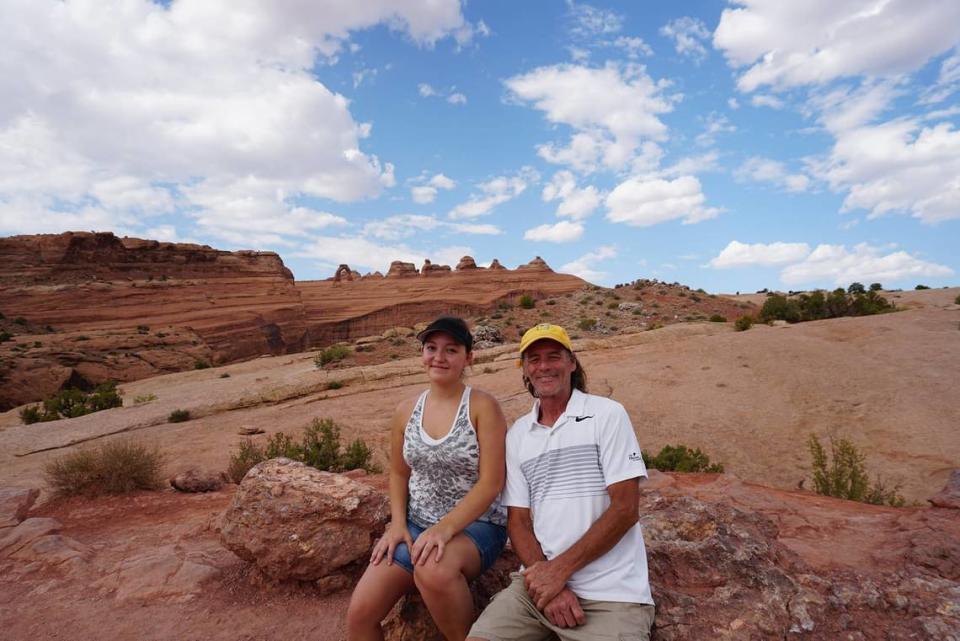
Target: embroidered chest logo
(581,418)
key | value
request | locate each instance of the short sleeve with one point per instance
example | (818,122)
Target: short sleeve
(516,492)
(619,449)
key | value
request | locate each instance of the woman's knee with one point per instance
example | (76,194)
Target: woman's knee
(437,576)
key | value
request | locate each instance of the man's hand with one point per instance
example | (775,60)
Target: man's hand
(564,610)
(544,580)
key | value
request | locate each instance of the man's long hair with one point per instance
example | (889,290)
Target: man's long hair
(578,379)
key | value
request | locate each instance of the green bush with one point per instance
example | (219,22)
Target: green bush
(319,448)
(779,307)
(876,287)
(334,384)
(856,288)
(921,287)
(118,467)
(72,402)
(587,324)
(5,336)
(225,375)
(680,458)
(613,305)
(743,323)
(332,354)
(956,301)
(717,318)
(200,364)
(179,416)
(843,474)
(527,302)
(550,302)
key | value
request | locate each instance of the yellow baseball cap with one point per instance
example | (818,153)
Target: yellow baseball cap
(542,331)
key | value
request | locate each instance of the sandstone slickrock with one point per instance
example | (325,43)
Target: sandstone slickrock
(15,502)
(14,538)
(169,572)
(949,496)
(195,480)
(295,522)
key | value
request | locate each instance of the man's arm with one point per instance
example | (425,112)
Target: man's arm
(545,579)
(563,610)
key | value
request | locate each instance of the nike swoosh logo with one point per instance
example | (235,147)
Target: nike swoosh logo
(581,418)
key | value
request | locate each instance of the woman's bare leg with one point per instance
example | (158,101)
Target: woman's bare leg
(444,587)
(380,587)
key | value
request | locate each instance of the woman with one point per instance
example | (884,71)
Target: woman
(446,473)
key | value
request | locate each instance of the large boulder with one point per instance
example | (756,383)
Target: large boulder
(196,480)
(949,496)
(15,502)
(296,522)
(486,336)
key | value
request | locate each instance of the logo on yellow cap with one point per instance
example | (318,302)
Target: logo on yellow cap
(542,331)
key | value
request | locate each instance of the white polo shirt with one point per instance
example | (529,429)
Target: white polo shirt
(561,474)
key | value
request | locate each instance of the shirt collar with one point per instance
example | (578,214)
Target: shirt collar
(575,406)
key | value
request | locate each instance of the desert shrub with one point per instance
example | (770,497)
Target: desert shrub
(72,402)
(921,287)
(680,458)
(144,398)
(956,301)
(743,323)
(143,329)
(636,311)
(587,324)
(332,354)
(717,318)
(779,307)
(334,385)
(81,338)
(613,305)
(20,320)
(875,287)
(225,375)
(5,336)
(319,447)
(246,456)
(179,416)
(504,305)
(550,302)
(200,364)
(527,301)
(843,474)
(118,467)
(856,288)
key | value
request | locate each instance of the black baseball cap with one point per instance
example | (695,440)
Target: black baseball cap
(455,327)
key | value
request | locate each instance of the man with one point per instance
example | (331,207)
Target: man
(572,493)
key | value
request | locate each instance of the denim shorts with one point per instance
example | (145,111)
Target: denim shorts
(488,537)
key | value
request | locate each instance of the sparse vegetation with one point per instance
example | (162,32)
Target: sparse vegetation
(179,416)
(143,329)
(587,324)
(680,458)
(527,302)
(144,398)
(200,364)
(334,385)
(332,354)
(921,287)
(843,474)
(225,375)
(117,467)
(743,323)
(817,305)
(550,302)
(717,318)
(956,301)
(319,448)
(5,336)
(70,403)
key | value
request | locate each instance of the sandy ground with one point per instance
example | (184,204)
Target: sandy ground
(748,399)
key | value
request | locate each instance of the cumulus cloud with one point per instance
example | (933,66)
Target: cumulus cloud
(407,225)
(948,81)
(495,192)
(766,100)
(161,105)
(575,203)
(785,44)
(426,192)
(612,110)
(561,232)
(457,99)
(587,21)
(643,201)
(633,46)
(737,254)
(586,266)
(864,263)
(688,35)
(715,125)
(759,169)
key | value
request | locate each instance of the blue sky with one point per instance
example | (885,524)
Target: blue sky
(724,145)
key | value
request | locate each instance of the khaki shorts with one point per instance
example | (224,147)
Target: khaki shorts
(512,616)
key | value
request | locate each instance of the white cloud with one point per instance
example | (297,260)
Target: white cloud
(426,90)
(691,165)
(361,75)
(688,35)
(715,124)
(611,109)
(864,263)
(561,232)
(457,99)
(633,46)
(947,83)
(897,166)
(786,44)
(737,254)
(585,266)
(495,192)
(759,169)
(733,103)
(575,203)
(407,225)
(426,193)
(643,201)
(765,100)
(158,104)
(587,21)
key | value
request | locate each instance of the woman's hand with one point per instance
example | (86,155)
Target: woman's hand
(435,537)
(396,534)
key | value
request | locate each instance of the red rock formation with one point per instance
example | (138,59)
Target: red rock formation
(400,269)
(429,268)
(466,263)
(496,265)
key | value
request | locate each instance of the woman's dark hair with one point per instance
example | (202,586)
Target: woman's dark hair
(578,379)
